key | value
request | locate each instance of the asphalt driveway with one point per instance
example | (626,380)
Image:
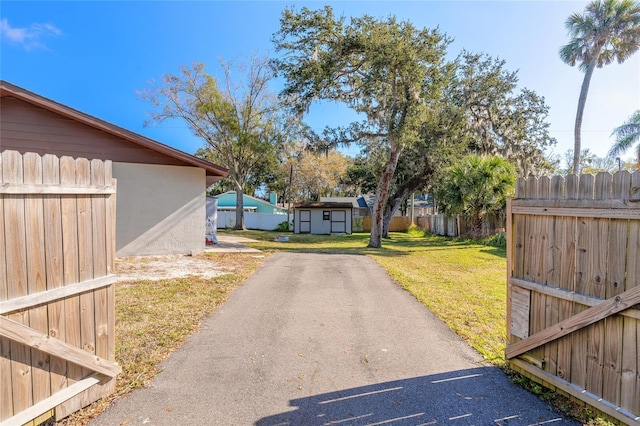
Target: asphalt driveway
(316,339)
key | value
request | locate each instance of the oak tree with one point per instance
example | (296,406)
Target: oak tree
(385,70)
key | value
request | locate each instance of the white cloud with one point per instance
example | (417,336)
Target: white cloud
(29,37)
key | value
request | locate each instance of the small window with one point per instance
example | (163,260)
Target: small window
(326,215)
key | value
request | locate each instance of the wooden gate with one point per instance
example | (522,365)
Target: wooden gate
(57,247)
(574,286)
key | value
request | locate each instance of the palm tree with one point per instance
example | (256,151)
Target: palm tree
(627,135)
(607,30)
(475,187)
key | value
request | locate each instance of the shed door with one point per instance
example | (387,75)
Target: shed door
(338,221)
(305,221)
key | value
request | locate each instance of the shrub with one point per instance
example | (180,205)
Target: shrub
(282,227)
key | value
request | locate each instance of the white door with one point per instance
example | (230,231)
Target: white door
(338,221)
(305,221)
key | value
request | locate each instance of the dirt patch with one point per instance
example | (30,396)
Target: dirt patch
(155,268)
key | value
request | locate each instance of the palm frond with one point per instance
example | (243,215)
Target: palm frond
(626,135)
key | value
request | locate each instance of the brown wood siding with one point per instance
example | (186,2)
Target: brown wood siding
(28,128)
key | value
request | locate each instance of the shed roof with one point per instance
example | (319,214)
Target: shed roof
(213,171)
(323,205)
(354,201)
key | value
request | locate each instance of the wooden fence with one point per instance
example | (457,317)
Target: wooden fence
(573,260)
(397,224)
(449,226)
(57,247)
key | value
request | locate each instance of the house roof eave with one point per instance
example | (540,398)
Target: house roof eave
(213,171)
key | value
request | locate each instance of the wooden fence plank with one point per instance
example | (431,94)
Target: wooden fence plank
(584,230)
(17,278)
(70,264)
(56,294)
(630,378)
(6,394)
(580,208)
(616,267)
(536,260)
(567,248)
(110,211)
(36,274)
(6,389)
(597,253)
(577,322)
(100,250)
(46,405)
(54,267)
(85,259)
(554,227)
(31,338)
(47,189)
(519,233)
(569,296)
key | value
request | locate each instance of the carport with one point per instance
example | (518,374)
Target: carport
(322,218)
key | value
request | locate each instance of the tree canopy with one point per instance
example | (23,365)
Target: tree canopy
(386,70)
(482,111)
(474,187)
(240,120)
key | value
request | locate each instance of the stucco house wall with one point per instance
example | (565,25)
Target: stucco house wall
(160,198)
(163,212)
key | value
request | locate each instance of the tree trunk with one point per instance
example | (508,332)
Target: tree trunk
(239,207)
(382,194)
(476,225)
(582,100)
(388,214)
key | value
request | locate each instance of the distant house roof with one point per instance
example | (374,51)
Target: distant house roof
(323,205)
(246,198)
(362,203)
(213,171)
(353,200)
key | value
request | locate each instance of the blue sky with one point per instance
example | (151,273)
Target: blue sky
(94,55)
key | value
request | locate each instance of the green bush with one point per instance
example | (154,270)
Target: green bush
(416,231)
(499,239)
(282,227)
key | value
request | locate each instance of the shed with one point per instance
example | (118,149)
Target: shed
(323,218)
(161,190)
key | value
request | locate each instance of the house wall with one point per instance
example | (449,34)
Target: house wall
(160,209)
(229,200)
(28,128)
(252,220)
(160,204)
